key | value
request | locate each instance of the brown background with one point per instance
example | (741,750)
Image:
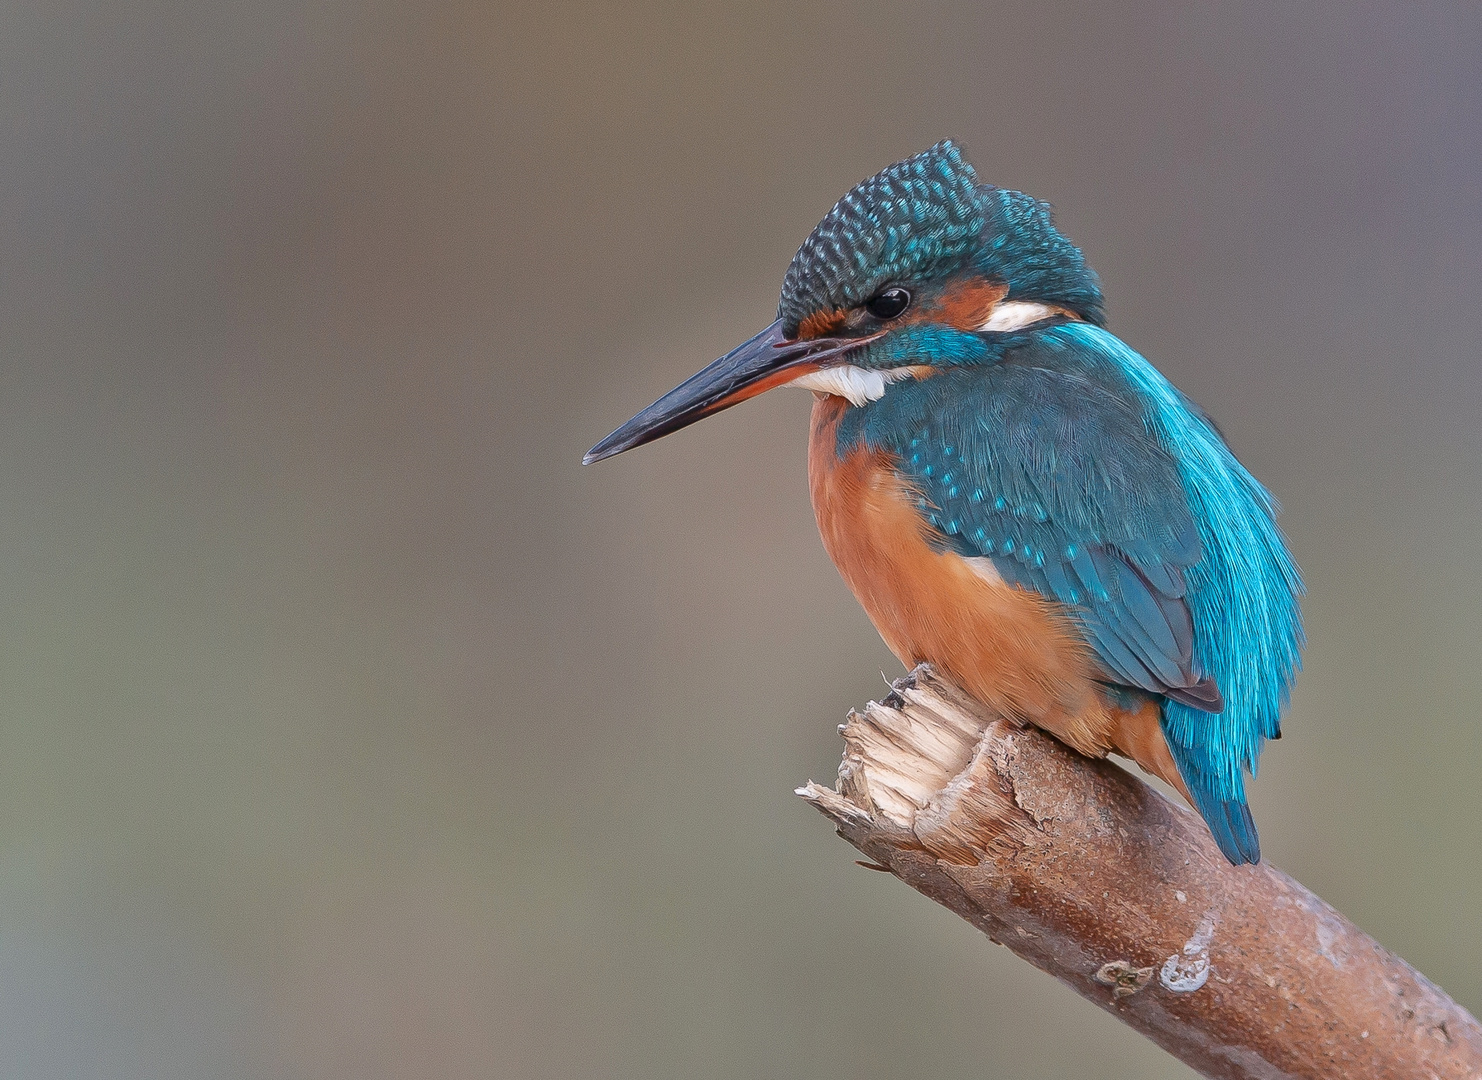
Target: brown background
(350,729)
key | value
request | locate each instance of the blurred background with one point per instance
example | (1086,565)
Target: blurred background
(349,728)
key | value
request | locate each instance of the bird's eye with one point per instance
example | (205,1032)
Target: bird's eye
(888,304)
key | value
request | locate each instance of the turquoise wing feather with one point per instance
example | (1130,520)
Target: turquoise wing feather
(1058,481)
(1083,474)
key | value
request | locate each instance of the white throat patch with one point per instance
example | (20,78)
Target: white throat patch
(1016,315)
(860,385)
(856,384)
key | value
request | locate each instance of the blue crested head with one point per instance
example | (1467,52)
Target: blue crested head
(923,233)
(915,222)
(920,266)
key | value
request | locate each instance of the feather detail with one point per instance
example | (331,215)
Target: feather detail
(1087,478)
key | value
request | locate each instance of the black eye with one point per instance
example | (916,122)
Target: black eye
(888,304)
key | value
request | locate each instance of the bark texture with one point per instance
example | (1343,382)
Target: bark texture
(1094,877)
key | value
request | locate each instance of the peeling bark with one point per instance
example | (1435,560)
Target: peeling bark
(1095,878)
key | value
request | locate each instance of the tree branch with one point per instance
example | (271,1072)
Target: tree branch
(1092,876)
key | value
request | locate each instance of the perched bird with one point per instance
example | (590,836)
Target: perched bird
(1013,494)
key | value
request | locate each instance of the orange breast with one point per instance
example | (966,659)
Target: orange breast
(1014,650)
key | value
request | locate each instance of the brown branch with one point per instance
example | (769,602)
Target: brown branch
(1094,877)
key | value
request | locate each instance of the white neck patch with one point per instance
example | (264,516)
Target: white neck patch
(858,385)
(1016,315)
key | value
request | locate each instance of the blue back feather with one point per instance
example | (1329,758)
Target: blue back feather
(1243,594)
(1072,463)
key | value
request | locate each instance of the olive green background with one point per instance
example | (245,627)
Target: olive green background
(350,729)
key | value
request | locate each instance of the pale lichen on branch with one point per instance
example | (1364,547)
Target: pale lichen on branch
(1093,877)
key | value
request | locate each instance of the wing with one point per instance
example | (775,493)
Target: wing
(1059,482)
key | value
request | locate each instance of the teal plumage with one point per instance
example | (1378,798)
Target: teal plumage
(926,218)
(1071,462)
(1243,595)
(919,218)
(967,335)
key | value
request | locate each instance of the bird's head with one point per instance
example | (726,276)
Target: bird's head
(917,269)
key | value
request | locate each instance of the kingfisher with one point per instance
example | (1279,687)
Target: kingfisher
(1013,494)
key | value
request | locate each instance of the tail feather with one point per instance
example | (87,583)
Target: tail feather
(1229,820)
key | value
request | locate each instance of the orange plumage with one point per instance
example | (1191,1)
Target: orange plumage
(1014,650)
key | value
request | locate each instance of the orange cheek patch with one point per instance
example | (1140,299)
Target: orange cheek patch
(966,304)
(822,323)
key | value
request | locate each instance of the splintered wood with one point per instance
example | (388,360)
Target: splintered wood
(1092,876)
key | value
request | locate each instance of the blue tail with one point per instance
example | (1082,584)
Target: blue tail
(1229,820)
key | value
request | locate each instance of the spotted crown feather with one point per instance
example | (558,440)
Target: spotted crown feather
(918,219)
(928,217)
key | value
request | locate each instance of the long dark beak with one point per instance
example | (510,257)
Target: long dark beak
(767,360)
